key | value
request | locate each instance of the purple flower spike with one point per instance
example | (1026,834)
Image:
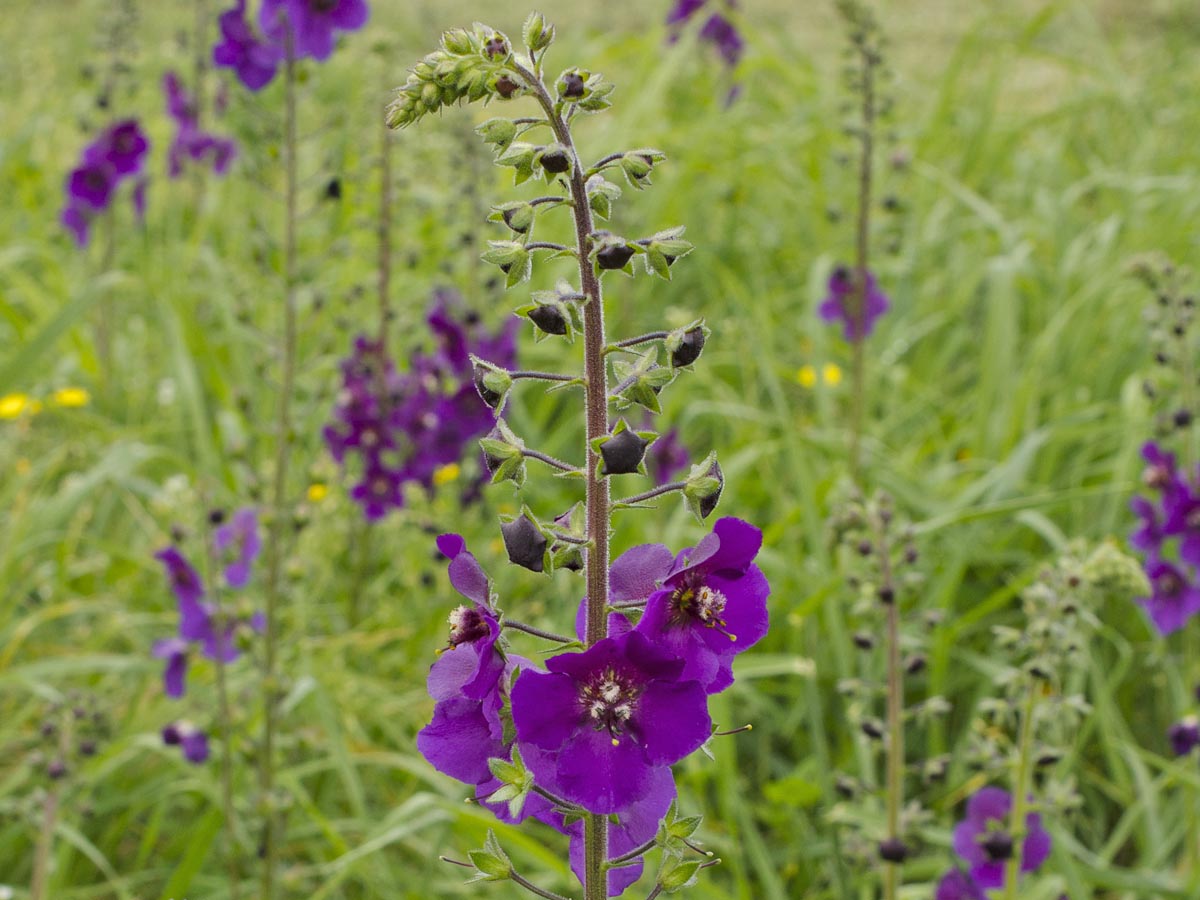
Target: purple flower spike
(1174,596)
(191,141)
(313,22)
(982,841)
(241,49)
(608,717)
(839,304)
(958,885)
(723,34)
(712,604)
(239,535)
(175,652)
(1184,736)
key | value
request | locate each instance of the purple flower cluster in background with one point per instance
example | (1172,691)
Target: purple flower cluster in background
(840,304)
(116,156)
(309,27)
(667,457)
(1168,533)
(191,141)
(718,29)
(599,728)
(405,427)
(984,844)
(201,623)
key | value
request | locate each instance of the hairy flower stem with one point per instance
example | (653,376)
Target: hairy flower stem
(895,709)
(537,632)
(45,844)
(226,721)
(595,883)
(385,235)
(654,492)
(104,338)
(1020,807)
(279,504)
(862,260)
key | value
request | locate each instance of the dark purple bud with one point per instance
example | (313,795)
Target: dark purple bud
(614,256)
(887,595)
(496,48)
(87,748)
(486,378)
(49,729)
(171,734)
(1184,736)
(1183,418)
(689,348)
(572,86)
(845,787)
(506,87)
(557,162)
(333,189)
(998,845)
(511,219)
(872,729)
(622,453)
(864,547)
(915,664)
(709,503)
(57,769)
(525,543)
(1047,757)
(549,318)
(863,640)
(893,850)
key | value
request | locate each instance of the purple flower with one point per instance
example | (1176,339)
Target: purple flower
(408,426)
(717,30)
(185,580)
(1174,596)
(608,717)
(190,739)
(984,844)
(683,10)
(241,49)
(91,185)
(122,147)
(667,457)
(191,141)
(1184,736)
(712,603)
(175,652)
(1149,535)
(841,302)
(313,22)
(239,538)
(958,885)
(76,222)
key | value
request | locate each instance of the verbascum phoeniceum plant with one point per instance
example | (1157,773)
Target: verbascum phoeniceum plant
(584,744)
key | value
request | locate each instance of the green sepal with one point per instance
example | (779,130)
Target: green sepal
(705,483)
(602,193)
(538,34)
(639,164)
(491,863)
(499,131)
(677,874)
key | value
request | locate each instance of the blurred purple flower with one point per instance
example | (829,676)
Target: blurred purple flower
(175,652)
(1184,736)
(958,885)
(314,23)
(841,301)
(983,842)
(118,153)
(406,427)
(1174,596)
(239,538)
(122,147)
(718,29)
(190,739)
(253,58)
(667,457)
(191,141)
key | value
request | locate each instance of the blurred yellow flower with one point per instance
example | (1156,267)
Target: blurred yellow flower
(807,376)
(13,406)
(446,474)
(70,397)
(317,492)
(23,466)
(832,373)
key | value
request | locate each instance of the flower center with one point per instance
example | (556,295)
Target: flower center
(381,486)
(695,600)
(998,845)
(95,180)
(1156,476)
(609,700)
(467,625)
(1168,584)
(322,6)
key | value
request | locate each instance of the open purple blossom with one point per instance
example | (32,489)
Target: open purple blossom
(406,427)
(608,717)
(185,580)
(841,304)
(958,885)
(1174,595)
(1184,735)
(188,738)
(252,57)
(238,538)
(712,603)
(117,154)
(984,843)
(191,141)
(314,23)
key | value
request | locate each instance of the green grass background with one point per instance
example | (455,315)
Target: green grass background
(1050,142)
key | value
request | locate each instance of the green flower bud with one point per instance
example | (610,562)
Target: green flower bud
(705,482)
(538,33)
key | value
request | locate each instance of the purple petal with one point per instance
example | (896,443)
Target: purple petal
(466,574)
(1036,849)
(673,720)
(460,740)
(599,776)
(545,708)
(638,572)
